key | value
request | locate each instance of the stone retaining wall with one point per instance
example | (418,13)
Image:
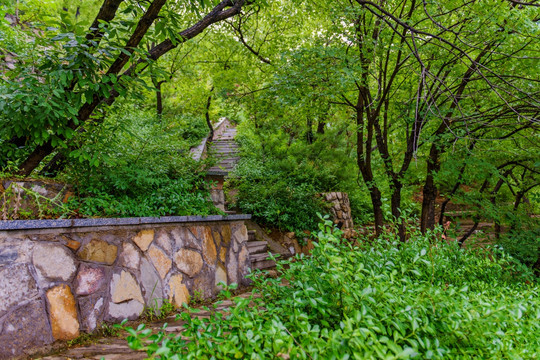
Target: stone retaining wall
(61,277)
(340,209)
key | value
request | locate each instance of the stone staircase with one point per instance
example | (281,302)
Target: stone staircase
(225,150)
(258,252)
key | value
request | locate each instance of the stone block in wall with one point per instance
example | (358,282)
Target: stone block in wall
(209,247)
(165,241)
(151,284)
(99,251)
(124,287)
(90,279)
(63,313)
(130,257)
(188,261)
(25,328)
(127,310)
(220,277)
(54,262)
(186,237)
(144,238)
(178,292)
(127,301)
(16,286)
(161,261)
(91,309)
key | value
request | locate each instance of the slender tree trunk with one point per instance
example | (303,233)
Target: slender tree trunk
(309,134)
(320,127)
(395,202)
(207,115)
(430,191)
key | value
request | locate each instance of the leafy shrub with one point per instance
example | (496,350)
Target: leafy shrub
(138,165)
(382,300)
(523,244)
(277,196)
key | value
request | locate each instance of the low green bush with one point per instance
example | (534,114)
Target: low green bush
(424,299)
(139,165)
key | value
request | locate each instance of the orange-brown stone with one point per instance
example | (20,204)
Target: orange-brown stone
(63,313)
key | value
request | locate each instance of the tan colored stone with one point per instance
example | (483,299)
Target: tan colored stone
(124,288)
(222,254)
(179,293)
(63,313)
(130,256)
(100,251)
(209,248)
(161,261)
(221,277)
(144,238)
(188,261)
(226,234)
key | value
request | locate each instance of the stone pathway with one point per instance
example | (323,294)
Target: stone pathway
(116,348)
(225,149)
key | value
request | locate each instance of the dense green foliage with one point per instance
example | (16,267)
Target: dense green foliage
(138,165)
(424,299)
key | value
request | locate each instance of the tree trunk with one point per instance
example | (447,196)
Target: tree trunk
(207,115)
(427,219)
(395,202)
(320,127)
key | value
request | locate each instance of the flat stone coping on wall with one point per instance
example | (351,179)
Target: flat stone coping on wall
(76,223)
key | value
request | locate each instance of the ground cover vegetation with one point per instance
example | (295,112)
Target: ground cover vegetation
(378,299)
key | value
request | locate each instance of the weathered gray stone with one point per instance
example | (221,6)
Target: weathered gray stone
(99,251)
(243,265)
(130,256)
(89,279)
(165,241)
(127,310)
(221,277)
(144,238)
(151,284)
(239,235)
(183,237)
(27,327)
(205,282)
(91,312)
(16,285)
(124,287)
(8,255)
(63,313)
(161,261)
(54,261)
(232,267)
(188,261)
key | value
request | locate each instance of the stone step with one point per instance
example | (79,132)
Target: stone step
(257,247)
(261,261)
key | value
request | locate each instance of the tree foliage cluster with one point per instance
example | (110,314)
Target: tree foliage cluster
(391,101)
